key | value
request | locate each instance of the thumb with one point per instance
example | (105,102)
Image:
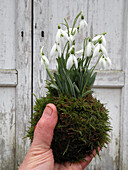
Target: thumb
(45,127)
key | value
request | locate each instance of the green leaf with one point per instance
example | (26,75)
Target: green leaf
(75,20)
(54,86)
(67,25)
(77,89)
(87,92)
(71,87)
(58,82)
(92,80)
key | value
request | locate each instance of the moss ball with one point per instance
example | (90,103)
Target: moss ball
(83,125)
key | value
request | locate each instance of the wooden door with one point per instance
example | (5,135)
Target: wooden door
(27,25)
(15,81)
(111,85)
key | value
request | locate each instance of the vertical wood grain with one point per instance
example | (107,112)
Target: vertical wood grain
(7,128)
(7,34)
(101,15)
(23,66)
(124,118)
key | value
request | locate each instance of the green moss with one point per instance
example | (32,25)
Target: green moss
(83,125)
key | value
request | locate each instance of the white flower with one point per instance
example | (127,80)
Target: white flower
(72,34)
(56,50)
(97,50)
(44,59)
(83,24)
(78,52)
(70,49)
(102,63)
(60,35)
(105,62)
(71,60)
(89,49)
(102,37)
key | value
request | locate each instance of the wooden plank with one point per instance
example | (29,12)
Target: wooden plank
(110,79)
(8,78)
(97,13)
(7,34)
(7,128)
(24,68)
(111,154)
(124,101)
(41,17)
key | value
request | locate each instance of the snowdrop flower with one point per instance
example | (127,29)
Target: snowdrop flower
(71,60)
(60,35)
(105,62)
(56,50)
(102,37)
(78,52)
(83,24)
(70,49)
(89,48)
(99,48)
(72,34)
(44,59)
(102,63)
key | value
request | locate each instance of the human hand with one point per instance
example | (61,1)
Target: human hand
(40,156)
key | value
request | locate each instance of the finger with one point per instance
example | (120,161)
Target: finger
(88,159)
(45,127)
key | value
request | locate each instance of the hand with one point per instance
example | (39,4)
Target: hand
(40,156)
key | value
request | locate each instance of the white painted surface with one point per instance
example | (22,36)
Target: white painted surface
(16,70)
(7,127)
(7,34)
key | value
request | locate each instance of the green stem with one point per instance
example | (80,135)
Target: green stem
(65,46)
(89,75)
(49,72)
(76,20)
(84,46)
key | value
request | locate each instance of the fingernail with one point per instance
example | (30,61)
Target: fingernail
(48,111)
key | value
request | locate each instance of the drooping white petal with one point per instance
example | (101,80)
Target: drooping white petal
(89,49)
(53,50)
(96,38)
(78,52)
(59,50)
(103,40)
(58,36)
(56,50)
(75,61)
(102,37)
(44,59)
(102,63)
(64,34)
(83,25)
(96,50)
(71,60)
(103,50)
(109,63)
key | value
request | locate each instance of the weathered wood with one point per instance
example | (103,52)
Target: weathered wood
(110,79)
(124,101)
(110,156)
(7,34)
(108,83)
(7,128)
(23,66)
(8,78)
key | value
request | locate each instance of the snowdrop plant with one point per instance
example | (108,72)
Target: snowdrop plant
(74,75)
(83,122)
